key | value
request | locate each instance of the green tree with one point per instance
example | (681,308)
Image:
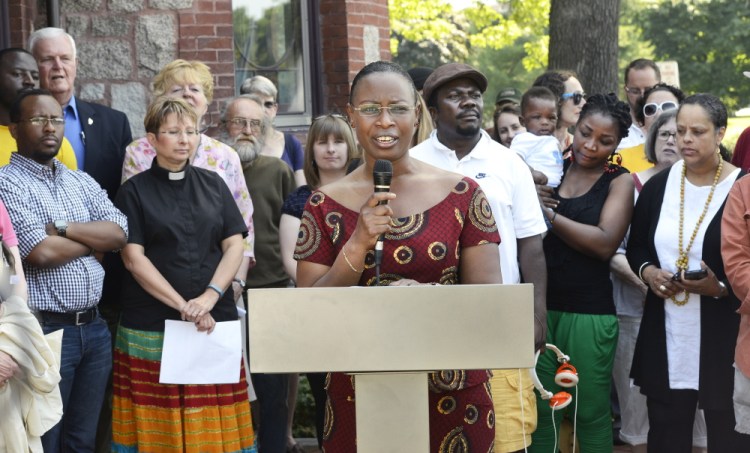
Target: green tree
(430,32)
(427,33)
(709,41)
(633,45)
(506,40)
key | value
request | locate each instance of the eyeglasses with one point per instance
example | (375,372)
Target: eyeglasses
(577,97)
(43,120)
(255,125)
(652,108)
(636,91)
(376,110)
(665,135)
(269,104)
(178,133)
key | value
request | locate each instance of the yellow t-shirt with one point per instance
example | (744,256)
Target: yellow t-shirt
(634,159)
(8,145)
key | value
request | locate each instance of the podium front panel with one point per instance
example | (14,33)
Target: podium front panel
(372,329)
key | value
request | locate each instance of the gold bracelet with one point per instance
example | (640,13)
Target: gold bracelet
(343,251)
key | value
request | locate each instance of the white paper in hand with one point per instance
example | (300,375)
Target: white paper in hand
(192,357)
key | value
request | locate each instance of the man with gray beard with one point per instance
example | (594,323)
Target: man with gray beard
(269,181)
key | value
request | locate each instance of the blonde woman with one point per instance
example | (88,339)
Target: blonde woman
(184,248)
(192,82)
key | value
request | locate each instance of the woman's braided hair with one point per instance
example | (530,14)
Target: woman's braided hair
(609,105)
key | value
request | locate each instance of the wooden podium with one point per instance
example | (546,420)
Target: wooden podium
(390,338)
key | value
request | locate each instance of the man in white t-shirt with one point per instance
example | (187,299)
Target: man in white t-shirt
(453,93)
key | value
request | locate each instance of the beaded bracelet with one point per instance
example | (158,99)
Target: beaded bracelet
(216,288)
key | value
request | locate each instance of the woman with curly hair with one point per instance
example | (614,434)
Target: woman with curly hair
(589,214)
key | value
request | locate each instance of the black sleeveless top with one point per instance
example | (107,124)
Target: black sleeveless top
(578,283)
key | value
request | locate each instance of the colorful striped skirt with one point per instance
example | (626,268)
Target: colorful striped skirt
(151,417)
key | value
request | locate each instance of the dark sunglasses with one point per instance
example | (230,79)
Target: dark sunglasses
(653,108)
(577,97)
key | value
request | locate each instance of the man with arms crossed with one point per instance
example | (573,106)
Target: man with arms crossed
(62,218)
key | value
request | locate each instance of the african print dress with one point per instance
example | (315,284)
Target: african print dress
(425,247)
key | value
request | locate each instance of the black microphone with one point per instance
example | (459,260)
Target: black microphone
(381,176)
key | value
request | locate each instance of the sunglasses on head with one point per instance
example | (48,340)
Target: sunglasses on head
(653,108)
(331,115)
(577,97)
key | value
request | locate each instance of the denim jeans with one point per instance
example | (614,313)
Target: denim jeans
(85,365)
(272,391)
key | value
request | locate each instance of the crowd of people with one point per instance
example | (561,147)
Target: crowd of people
(627,216)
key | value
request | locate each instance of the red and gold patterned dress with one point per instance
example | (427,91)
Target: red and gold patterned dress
(425,247)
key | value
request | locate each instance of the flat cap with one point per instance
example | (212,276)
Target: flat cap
(452,71)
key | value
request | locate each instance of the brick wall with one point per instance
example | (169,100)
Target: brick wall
(123,43)
(205,34)
(344,43)
(22,15)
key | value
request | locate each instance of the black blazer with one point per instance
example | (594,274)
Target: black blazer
(107,133)
(719,320)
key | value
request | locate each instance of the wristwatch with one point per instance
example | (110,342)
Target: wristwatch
(240,281)
(61,226)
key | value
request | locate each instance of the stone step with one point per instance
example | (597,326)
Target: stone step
(310,444)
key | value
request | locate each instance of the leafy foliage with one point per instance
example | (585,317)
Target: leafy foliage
(304,414)
(430,32)
(506,39)
(427,33)
(709,41)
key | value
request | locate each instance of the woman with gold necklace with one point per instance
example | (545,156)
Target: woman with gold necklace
(685,348)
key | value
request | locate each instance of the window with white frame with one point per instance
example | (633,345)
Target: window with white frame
(272,39)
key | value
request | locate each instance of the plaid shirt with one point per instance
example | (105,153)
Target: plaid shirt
(35,195)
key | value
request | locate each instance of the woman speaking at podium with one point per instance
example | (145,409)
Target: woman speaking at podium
(437,228)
